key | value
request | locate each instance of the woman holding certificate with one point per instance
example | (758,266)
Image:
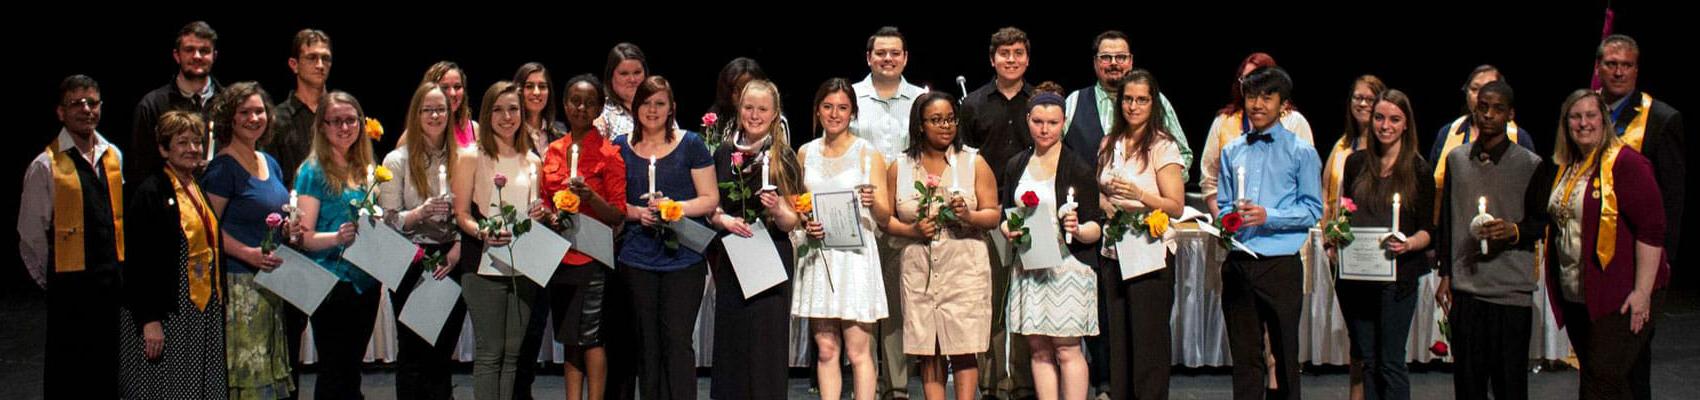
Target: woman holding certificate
(417,205)
(1386,181)
(666,276)
(1054,305)
(946,200)
(1140,174)
(841,290)
(761,177)
(496,170)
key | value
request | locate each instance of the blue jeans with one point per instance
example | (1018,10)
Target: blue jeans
(1378,320)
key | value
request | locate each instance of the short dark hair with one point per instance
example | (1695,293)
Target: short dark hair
(1268,80)
(74,83)
(1008,36)
(918,122)
(308,37)
(199,29)
(888,32)
(1482,69)
(1107,35)
(1500,87)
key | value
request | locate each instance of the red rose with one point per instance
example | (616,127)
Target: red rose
(1439,349)
(1030,199)
(1231,222)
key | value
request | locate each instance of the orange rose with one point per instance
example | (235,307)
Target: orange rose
(671,210)
(1157,223)
(803,203)
(566,201)
(374,129)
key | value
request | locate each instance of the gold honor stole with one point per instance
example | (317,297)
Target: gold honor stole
(1332,187)
(1455,138)
(1605,245)
(1637,130)
(68,208)
(200,230)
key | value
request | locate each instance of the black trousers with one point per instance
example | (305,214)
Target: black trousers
(1138,335)
(750,355)
(423,371)
(342,326)
(620,339)
(1490,349)
(1616,363)
(1258,294)
(82,335)
(665,305)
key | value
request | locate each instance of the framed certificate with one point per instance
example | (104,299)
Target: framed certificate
(840,215)
(1365,260)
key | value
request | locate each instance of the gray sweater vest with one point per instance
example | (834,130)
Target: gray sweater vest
(1505,276)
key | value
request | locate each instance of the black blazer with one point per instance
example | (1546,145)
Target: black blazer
(154,238)
(1664,148)
(1072,171)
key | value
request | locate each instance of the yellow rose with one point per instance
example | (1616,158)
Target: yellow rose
(671,210)
(566,201)
(1157,223)
(374,129)
(804,203)
(383,174)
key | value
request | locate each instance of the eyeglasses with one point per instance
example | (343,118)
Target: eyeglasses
(84,102)
(1139,100)
(434,110)
(1363,99)
(1114,58)
(942,122)
(343,122)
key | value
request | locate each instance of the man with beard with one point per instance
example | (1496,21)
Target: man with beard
(1111,61)
(192,89)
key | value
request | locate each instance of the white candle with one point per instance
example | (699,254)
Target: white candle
(574,162)
(370,177)
(442,180)
(531,186)
(764,184)
(209,145)
(1067,236)
(1239,174)
(1481,209)
(867,173)
(292,206)
(1395,213)
(651,174)
(955,175)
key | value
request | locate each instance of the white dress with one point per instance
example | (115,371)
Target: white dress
(1061,301)
(855,290)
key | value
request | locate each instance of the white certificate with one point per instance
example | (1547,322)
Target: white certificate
(299,280)
(428,307)
(381,252)
(592,237)
(536,254)
(1138,254)
(755,260)
(1044,238)
(692,234)
(840,215)
(1365,260)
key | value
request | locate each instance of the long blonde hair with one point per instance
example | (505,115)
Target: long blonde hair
(1566,152)
(784,168)
(360,154)
(419,150)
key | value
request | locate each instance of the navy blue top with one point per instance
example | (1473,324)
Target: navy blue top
(639,246)
(248,201)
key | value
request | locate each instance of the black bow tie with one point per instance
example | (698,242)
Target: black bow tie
(1254,137)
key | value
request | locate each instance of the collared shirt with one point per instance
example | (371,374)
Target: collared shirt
(1107,117)
(602,167)
(398,197)
(35,205)
(884,122)
(995,124)
(1284,176)
(290,138)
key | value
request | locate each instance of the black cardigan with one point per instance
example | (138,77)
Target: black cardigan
(1072,171)
(153,238)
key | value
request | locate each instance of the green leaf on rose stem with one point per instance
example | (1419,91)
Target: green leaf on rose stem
(920,187)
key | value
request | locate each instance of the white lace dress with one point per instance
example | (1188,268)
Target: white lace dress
(839,283)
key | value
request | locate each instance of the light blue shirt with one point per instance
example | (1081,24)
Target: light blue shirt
(884,122)
(1285,177)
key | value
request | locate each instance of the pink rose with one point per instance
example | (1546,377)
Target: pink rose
(501,180)
(932,181)
(1347,204)
(737,157)
(709,119)
(274,220)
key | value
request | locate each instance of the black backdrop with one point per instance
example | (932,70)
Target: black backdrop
(1422,48)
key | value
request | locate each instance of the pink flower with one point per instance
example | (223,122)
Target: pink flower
(932,181)
(737,157)
(1347,204)
(274,220)
(501,180)
(709,119)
